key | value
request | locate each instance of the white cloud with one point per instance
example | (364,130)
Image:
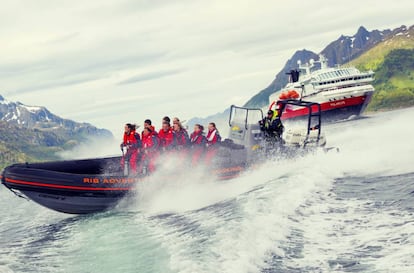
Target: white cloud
(109,62)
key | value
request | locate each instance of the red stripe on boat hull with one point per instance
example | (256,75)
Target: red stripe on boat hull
(327,106)
(54,186)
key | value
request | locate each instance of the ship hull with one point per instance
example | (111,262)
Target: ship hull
(335,109)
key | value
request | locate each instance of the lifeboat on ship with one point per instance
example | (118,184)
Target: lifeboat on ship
(93,185)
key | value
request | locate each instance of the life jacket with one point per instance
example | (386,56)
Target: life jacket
(182,137)
(166,138)
(197,138)
(153,130)
(273,127)
(149,142)
(213,137)
(132,140)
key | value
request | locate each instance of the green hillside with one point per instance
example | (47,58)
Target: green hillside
(21,145)
(393,64)
(373,58)
(394,81)
(33,133)
(18,144)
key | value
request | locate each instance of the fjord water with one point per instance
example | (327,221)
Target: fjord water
(351,211)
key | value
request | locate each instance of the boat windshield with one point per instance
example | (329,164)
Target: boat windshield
(242,115)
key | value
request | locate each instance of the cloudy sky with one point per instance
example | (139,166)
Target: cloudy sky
(112,62)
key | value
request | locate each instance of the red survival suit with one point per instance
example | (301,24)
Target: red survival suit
(213,137)
(182,139)
(198,142)
(182,145)
(133,142)
(150,144)
(167,140)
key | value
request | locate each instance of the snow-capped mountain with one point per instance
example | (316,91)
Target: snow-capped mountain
(21,114)
(33,133)
(37,117)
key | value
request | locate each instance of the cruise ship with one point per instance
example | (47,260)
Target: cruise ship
(342,92)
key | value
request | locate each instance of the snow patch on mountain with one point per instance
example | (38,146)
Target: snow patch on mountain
(37,117)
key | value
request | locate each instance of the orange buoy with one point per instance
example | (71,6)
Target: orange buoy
(292,94)
(284,95)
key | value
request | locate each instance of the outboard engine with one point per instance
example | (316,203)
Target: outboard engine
(297,137)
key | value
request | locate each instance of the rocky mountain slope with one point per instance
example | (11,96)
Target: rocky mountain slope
(338,52)
(33,133)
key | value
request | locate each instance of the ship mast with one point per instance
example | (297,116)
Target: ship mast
(323,61)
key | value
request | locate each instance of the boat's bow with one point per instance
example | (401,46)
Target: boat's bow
(74,192)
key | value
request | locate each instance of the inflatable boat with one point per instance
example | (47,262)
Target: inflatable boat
(94,185)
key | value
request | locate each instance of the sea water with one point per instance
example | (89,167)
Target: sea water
(351,211)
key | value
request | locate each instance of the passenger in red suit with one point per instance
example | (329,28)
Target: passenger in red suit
(197,138)
(166,137)
(181,135)
(183,142)
(213,139)
(198,143)
(213,136)
(150,149)
(148,124)
(132,143)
